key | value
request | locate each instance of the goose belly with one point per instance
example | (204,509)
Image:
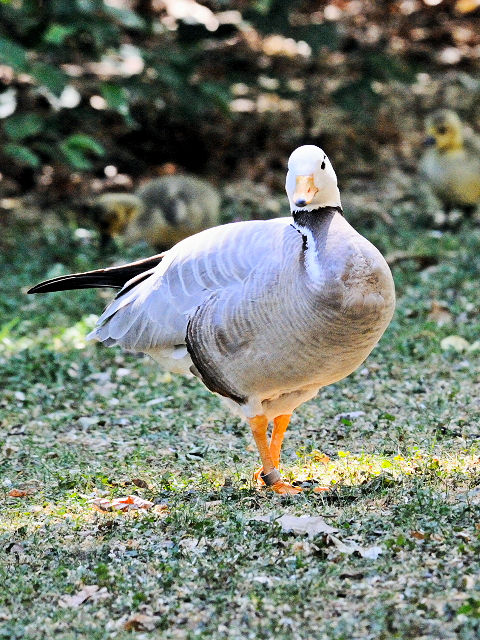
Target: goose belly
(289,370)
(174,360)
(328,353)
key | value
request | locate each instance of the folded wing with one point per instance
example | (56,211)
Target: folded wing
(153,314)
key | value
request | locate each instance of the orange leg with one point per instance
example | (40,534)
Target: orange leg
(259,426)
(280,425)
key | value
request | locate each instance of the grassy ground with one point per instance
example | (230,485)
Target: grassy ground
(80,421)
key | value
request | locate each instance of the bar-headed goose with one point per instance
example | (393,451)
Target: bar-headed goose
(265,313)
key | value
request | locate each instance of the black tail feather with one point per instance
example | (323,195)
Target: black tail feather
(114,277)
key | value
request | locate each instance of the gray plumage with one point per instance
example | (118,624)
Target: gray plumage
(260,331)
(264,312)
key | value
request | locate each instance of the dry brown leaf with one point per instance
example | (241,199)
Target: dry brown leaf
(17,493)
(319,456)
(128,503)
(141,622)
(160,508)
(463,535)
(321,489)
(418,535)
(437,537)
(138,482)
(20,493)
(311,525)
(88,591)
(439,313)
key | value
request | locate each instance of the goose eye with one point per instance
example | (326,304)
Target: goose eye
(442,130)
(322,165)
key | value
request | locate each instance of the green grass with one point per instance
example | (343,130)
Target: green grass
(79,421)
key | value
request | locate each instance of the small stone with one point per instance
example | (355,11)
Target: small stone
(455,343)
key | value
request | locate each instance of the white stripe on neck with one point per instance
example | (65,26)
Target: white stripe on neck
(312,265)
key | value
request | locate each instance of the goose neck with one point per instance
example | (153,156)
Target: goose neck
(314,226)
(315,221)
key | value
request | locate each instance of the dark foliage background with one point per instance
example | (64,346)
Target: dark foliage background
(223,88)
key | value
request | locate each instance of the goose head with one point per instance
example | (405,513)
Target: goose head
(311,181)
(444,130)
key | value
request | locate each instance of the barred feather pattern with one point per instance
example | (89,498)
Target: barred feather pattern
(260,329)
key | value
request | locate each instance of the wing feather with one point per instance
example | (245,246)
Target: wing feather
(154,314)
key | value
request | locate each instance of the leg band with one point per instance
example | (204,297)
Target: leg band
(271,478)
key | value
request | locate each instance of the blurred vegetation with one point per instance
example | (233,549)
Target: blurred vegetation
(224,86)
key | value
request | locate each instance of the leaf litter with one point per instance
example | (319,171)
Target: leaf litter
(313,526)
(124,504)
(89,592)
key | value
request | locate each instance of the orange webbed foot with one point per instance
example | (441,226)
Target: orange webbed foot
(257,477)
(285,489)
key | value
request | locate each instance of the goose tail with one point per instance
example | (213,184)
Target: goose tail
(114,277)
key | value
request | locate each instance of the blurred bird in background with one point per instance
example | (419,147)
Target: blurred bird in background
(162,212)
(451,165)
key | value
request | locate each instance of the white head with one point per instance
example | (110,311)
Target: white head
(311,181)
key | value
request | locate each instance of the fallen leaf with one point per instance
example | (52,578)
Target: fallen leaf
(193,544)
(350,547)
(265,580)
(261,519)
(418,535)
(138,482)
(468,582)
(85,422)
(15,548)
(348,415)
(213,503)
(319,456)
(160,508)
(141,622)
(463,535)
(303,546)
(457,343)
(20,493)
(370,553)
(437,537)
(128,503)
(311,525)
(88,591)
(439,313)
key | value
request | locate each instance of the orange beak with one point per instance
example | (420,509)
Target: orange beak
(305,191)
